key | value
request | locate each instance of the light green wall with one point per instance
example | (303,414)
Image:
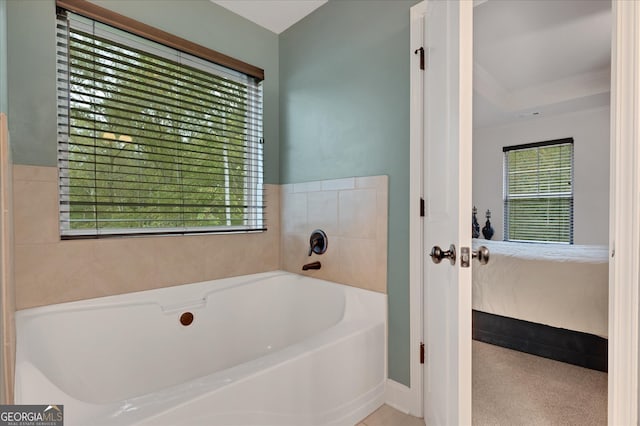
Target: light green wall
(3,56)
(31,52)
(31,81)
(344,105)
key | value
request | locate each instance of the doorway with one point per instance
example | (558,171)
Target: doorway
(624,210)
(541,189)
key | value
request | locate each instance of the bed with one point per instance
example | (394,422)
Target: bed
(543,295)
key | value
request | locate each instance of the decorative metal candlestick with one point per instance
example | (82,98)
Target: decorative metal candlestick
(475,226)
(487,231)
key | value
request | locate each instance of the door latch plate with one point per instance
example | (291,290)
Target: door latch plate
(465,257)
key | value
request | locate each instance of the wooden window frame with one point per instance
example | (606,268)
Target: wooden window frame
(108,17)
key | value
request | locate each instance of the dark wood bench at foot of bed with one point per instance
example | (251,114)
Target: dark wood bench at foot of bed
(573,347)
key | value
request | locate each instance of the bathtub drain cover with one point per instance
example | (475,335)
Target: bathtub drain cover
(186,318)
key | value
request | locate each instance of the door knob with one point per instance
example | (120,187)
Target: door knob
(482,254)
(437,254)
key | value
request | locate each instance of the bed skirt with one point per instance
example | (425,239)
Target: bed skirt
(573,347)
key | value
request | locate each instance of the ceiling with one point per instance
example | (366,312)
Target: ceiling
(537,58)
(532,58)
(274,15)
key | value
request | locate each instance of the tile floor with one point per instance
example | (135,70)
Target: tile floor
(387,416)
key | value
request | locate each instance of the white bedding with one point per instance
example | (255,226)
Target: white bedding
(563,286)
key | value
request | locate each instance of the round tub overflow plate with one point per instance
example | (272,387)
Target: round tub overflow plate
(186,318)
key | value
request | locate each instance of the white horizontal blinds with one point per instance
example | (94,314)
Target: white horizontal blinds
(538,202)
(153,140)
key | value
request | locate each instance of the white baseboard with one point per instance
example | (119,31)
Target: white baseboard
(401,398)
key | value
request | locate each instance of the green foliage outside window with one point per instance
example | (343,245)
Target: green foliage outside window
(539,193)
(154,143)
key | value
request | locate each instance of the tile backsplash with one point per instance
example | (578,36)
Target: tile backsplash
(7,277)
(48,270)
(353,214)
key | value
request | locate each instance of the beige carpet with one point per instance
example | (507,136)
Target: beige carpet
(514,388)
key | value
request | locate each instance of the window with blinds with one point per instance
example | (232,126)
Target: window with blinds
(538,192)
(152,140)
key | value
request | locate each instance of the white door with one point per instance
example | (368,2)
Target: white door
(447,189)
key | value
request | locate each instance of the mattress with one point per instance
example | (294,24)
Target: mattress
(564,286)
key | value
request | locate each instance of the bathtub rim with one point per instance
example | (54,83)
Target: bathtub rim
(224,283)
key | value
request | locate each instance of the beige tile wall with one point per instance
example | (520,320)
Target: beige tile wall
(49,271)
(7,285)
(353,214)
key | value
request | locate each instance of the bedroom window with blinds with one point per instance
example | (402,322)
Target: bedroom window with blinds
(153,140)
(538,192)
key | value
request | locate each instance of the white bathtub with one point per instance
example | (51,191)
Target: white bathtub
(268,349)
